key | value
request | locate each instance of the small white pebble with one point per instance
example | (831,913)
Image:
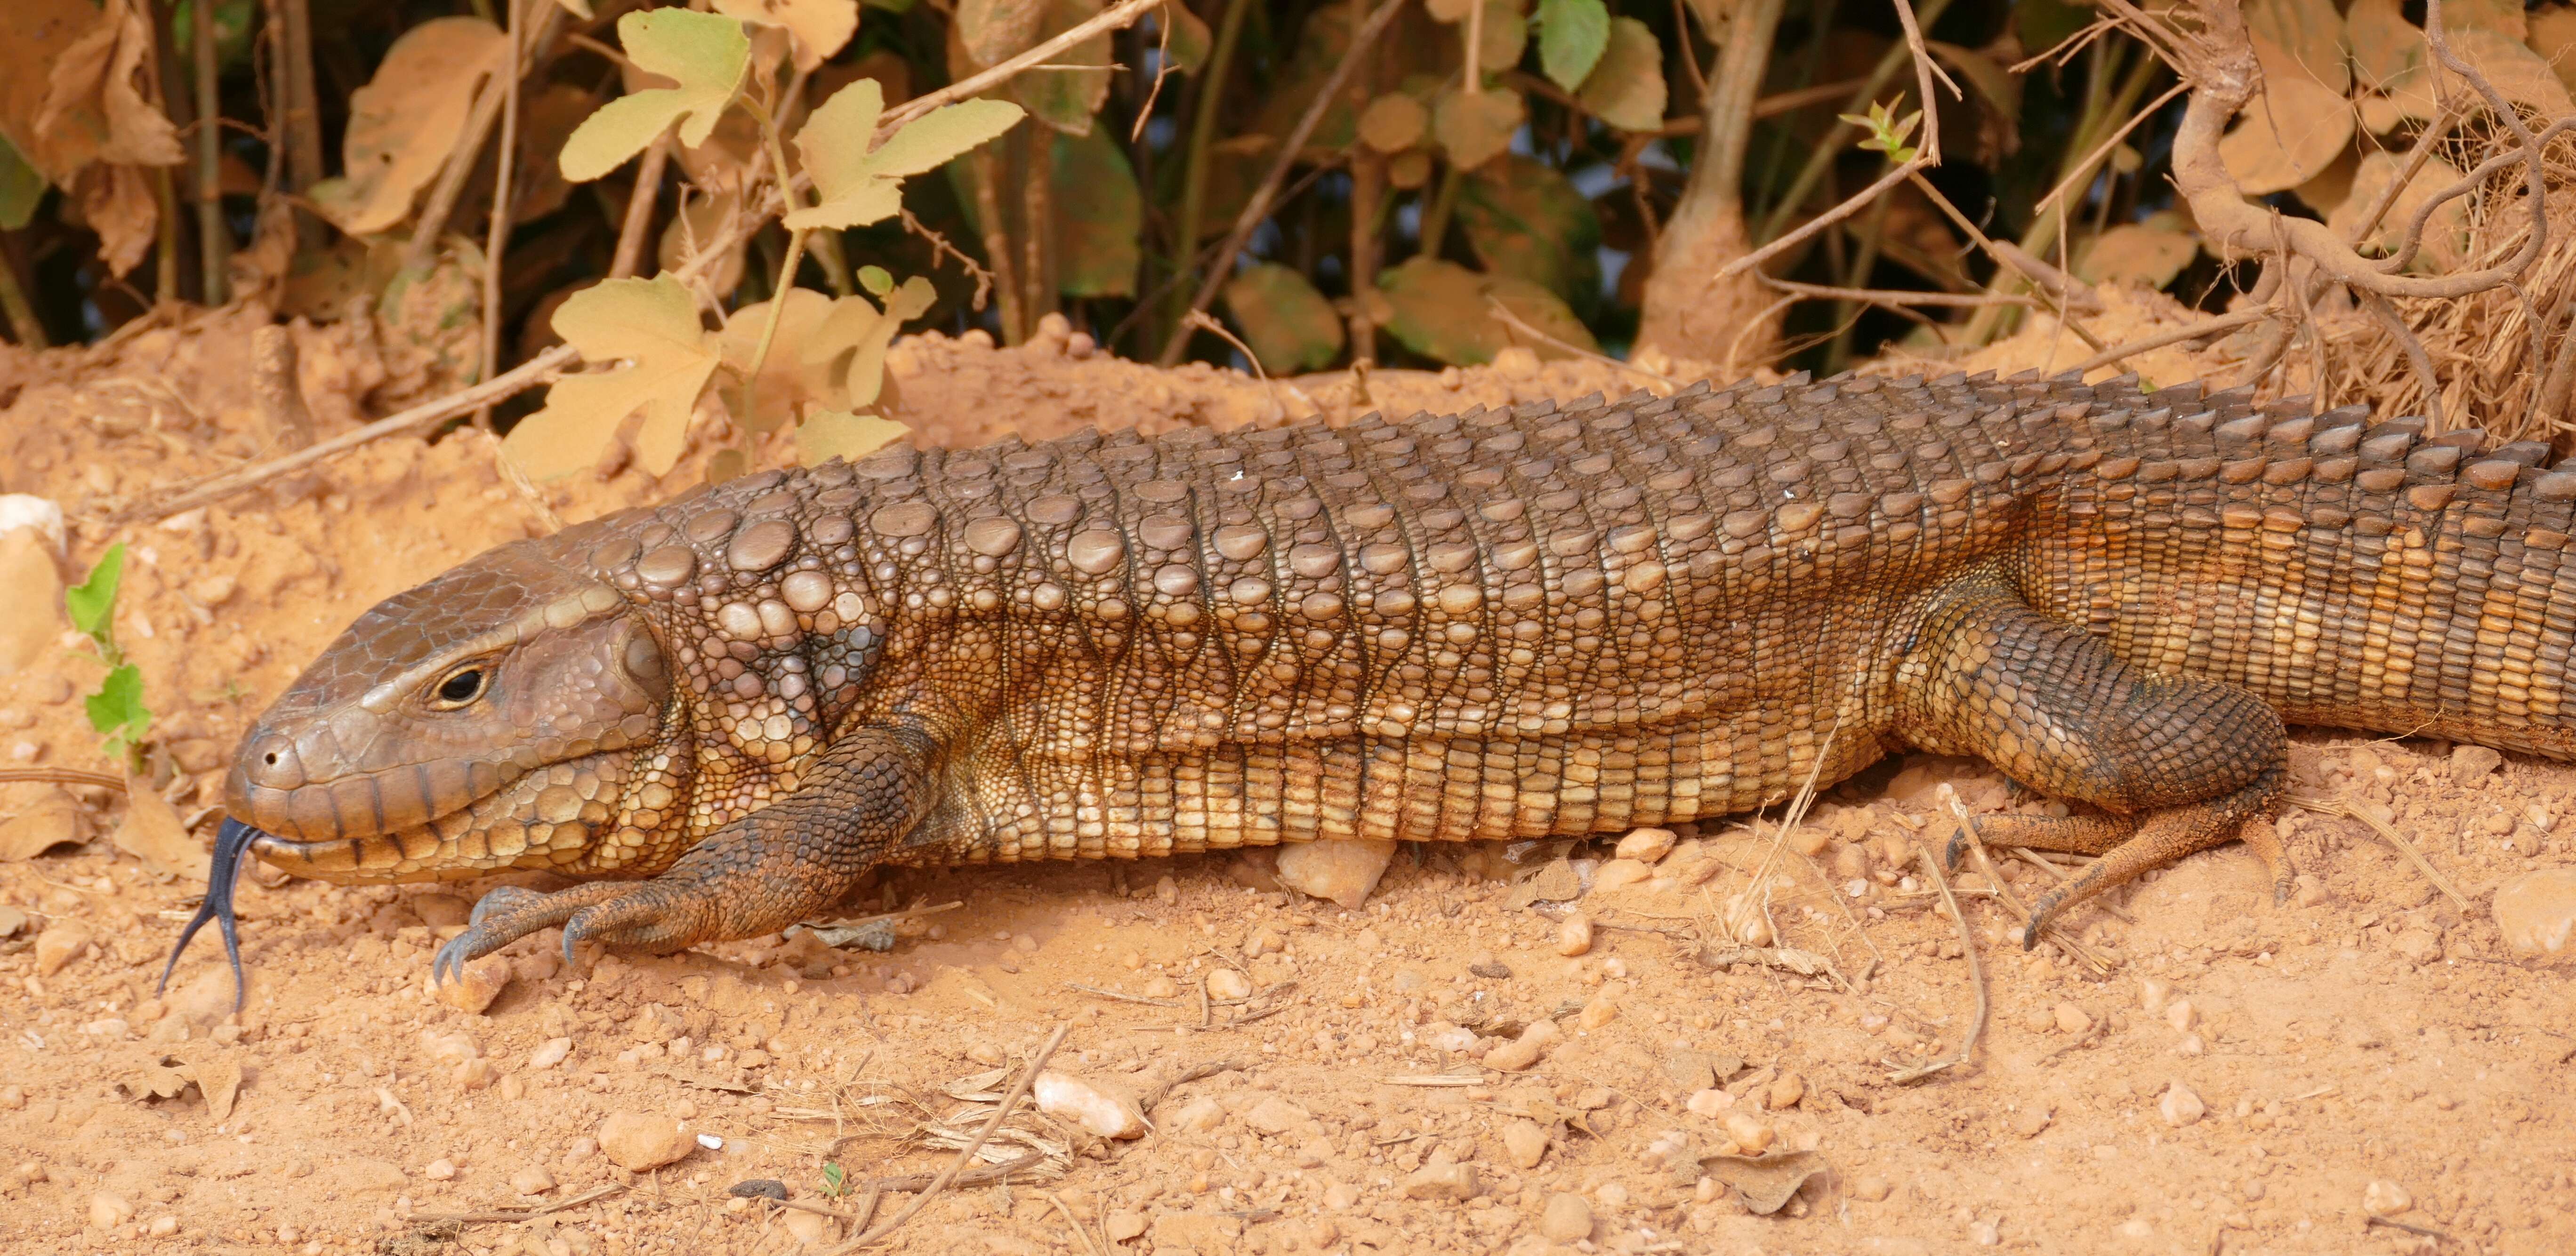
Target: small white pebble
(711,1142)
(2180,1106)
(1574,935)
(2384,1198)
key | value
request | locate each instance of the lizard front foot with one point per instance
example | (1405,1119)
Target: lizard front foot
(758,874)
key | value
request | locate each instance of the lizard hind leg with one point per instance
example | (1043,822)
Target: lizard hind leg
(2178,764)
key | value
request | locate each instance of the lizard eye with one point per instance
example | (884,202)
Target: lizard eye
(461,687)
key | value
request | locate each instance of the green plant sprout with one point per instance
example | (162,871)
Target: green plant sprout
(117,709)
(1887,132)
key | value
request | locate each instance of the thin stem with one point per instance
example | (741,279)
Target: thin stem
(1206,104)
(303,121)
(214,241)
(23,323)
(786,269)
(165,271)
(496,236)
(639,208)
(1821,159)
(986,162)
(1435,220)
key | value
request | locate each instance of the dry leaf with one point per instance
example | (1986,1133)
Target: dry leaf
(41,33)
(2285,136)
(1765,1183)
(55,819)
(2386,48)
(151,832)
(406,120)
(1394,122)
(2553,36)
(1289,325)
(164,1078)
(219,1081)
(2136,253)
(1626,87)
(2306,34)
(117,202)
(100,76)
(2446,233)
(1476,126)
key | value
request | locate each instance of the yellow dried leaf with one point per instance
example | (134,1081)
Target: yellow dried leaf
(2386,48)
(858,185)
(786,385)
(820,27)
(850,346)
(1626,86)
(2286,136)
(706,55)
(840,434)
(2517,73)
(406,120)
(651,327)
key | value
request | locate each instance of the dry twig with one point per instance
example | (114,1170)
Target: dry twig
(1028,1076)
(1976,979)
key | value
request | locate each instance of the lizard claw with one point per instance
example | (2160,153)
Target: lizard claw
(1958,846)
(510,913)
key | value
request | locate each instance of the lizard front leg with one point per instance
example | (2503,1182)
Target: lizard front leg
(759,874)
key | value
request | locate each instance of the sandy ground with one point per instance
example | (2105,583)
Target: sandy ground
(2194,1070)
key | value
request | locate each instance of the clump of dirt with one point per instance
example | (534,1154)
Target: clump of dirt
(2192,1068)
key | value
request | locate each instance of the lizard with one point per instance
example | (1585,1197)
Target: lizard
(718,713)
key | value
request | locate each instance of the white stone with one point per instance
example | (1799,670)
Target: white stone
(1342,871)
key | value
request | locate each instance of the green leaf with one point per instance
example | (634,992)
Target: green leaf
(875,279)
(1099,216)
(1526,221)
(117,710)
(652,325)
(21,188)
(1571,37)
(1444,311)
(841,434)
(92,602)
(706,54)
(832,1179)
(1289,325)
(857,186)
(1065,98)
(1626,86)
(1189,40)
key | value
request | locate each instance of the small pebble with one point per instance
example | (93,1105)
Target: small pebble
(1442,1181)
(2535,911)
(2031,1122)
(1226,983)
(1786,1090)
(1342,871)
(1574,935)
(106,1211)
(1646,845)
(1162,987)
(2180,1106)
(1123,1225)
(1086,1103)
(1750,1132)
(2071,1019)
(2384,1198)
(1566,1219)
(1524,1051)
(637,1141)
(2153,994)
(1603,1006)
(1525,1141)
(532,1180)
(550,1053)
(2182,1016)
(1871,1188)
(62,942)
(476,985)
(164,1226)
(1709,1102)
(440,1170)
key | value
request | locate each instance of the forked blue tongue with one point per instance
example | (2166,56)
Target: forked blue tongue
(230,841)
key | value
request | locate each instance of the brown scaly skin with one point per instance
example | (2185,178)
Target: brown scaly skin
(1494,625)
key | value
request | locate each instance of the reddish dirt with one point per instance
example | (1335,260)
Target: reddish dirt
(2373,1030)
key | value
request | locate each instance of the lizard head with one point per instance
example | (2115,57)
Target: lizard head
(483,720)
